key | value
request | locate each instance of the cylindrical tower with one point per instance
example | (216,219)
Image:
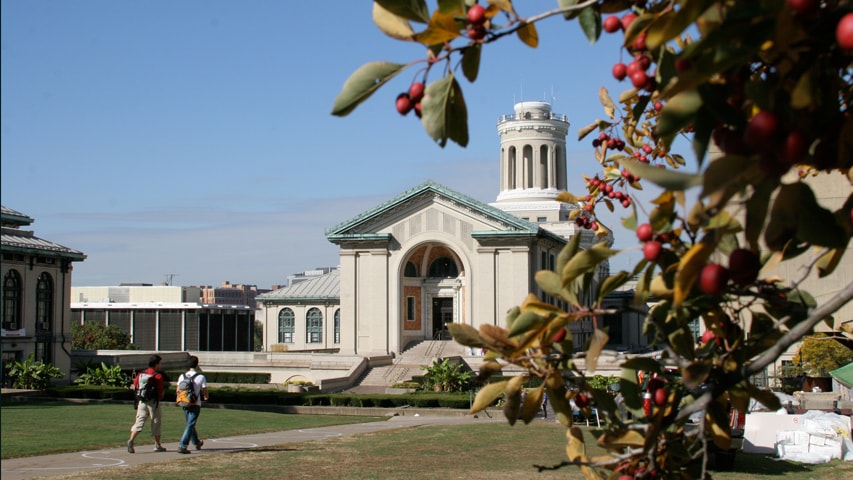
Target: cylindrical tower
(533,153)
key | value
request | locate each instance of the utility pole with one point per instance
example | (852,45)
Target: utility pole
(169,278)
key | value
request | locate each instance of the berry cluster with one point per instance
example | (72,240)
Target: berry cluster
(476,22)
(637,69)
(411,100)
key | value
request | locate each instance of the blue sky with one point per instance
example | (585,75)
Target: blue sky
(195,138)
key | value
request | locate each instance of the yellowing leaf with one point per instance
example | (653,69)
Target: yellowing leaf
(465,335)
(532,404)
(689,266)
(622,438)
(442,28)
(527,33)
(390,24)
(575,450)
(596,345)
(487,396)
(606,102)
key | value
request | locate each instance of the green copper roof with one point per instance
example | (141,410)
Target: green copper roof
(844,375)
(514,225)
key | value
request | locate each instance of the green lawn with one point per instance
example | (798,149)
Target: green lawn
(73,427)
(495,451)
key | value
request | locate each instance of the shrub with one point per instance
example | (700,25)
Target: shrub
(30,374)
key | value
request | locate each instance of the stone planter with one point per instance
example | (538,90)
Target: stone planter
(399,391)
(295,388)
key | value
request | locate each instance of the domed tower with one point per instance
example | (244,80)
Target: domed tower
(533,166)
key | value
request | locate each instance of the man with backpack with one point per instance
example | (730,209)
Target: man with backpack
(192,389)
(148,388)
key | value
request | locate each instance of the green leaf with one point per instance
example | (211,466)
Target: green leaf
(662,177)
(465,335)
(444,112)
(611,283)
(796,213)
(549,282)
(597,343)
(678,113)
(568,251)
(362,84)
(586,261)
(525,322)
(590,22)
(487,395)
(471,61)
(415,10)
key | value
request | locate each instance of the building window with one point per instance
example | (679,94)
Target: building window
(411,270)
(44,302)
(314,326)
(12,300)
(541,219)
(338,326)
(443,267)
(410,309)
(286,325)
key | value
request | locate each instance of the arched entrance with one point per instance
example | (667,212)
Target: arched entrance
(433,292)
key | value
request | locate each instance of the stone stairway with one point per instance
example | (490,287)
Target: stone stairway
(407,365)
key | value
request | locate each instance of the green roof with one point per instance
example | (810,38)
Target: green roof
(844,375)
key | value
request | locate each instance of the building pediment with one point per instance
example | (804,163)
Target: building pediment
(430,207)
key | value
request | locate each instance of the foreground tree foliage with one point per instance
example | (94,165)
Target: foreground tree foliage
(769,83)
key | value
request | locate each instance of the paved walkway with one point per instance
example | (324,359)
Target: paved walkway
(67,463)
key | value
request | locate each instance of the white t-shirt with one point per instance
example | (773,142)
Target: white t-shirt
(199,382)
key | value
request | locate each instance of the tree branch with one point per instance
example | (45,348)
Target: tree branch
(798,331)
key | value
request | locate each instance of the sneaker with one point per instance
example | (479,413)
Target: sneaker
(159,448)
(183,450)
(130,447)
(200,444)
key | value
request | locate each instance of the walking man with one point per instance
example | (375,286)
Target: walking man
(148,386)
(191,412)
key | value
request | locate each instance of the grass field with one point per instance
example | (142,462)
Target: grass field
(494,451)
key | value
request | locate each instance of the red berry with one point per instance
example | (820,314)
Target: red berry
(652,250)
(559,336)
(658,106)
(477,33)
(645,232)
(640,42)
(762,130)
(660,397)
(644,61)
(803,7)
(708,336)
(655,384)
(612,24)
(682,65)
(626,202)
(627,20)
(404,104)
(477,14)
(418,111)
(796,147)
(713,279)
(744,266)
(620,71)
(844,32)
(639,79)
(416,91)
(581,400)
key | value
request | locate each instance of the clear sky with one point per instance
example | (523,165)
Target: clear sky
(195,138)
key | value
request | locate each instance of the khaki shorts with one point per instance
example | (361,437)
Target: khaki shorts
(145,410)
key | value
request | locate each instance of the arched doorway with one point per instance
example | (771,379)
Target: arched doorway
(433,285)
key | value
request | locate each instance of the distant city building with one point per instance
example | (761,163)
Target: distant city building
(36,288)
(228,293)
(167,318)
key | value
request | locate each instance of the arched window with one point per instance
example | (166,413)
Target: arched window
(12,300)
(286,325)
(411,270)
(44,302)
(338,326)
(314,326)
(443,267)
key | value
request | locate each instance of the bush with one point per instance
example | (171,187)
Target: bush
(30,374)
